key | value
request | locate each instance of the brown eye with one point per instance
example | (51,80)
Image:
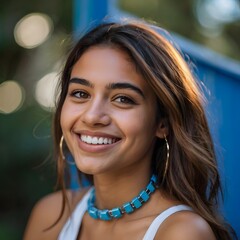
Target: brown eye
(124,100)
(80,94)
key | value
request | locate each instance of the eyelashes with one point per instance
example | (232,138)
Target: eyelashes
(124,100)
(120,99)
(80,94)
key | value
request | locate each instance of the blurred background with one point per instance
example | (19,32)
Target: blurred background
(34,39)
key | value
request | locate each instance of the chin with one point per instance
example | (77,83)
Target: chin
(89,169)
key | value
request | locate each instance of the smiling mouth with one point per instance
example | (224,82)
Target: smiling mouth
(98,140)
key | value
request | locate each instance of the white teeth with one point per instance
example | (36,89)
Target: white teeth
(96,140)
(100,140)
(89,139)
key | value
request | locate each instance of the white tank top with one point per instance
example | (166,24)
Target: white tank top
(71,228)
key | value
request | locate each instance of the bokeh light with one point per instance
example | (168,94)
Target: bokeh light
(11,97)
(32,30)
(212,14)
(45,90)
(223,10)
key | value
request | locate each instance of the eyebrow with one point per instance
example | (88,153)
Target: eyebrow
(126,86)
(81,81)
(111,86)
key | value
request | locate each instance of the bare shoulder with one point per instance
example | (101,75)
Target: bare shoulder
(185,225)
(46,213)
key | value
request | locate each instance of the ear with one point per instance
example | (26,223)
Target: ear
(162,129)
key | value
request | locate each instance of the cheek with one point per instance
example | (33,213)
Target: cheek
(63,117)
(140,123)
(67,116)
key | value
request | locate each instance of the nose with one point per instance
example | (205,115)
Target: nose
(96,114)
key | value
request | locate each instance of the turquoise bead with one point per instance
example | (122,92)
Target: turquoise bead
(151,187)
(103,214)
(154,178)
(93,212)
(116,212)
(144,196)
(136,202)
(128,208)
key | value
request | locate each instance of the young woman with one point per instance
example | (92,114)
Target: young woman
(132,116)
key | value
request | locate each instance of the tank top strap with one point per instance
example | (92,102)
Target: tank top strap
(71,227)
(153,228)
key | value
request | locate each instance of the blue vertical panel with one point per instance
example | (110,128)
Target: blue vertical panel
(87,13)
(224,118)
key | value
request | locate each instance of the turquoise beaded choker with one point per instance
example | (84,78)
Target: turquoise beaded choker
(128,207)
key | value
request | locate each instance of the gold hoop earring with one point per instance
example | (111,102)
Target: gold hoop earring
(167,161)
(61,148)
(62,154)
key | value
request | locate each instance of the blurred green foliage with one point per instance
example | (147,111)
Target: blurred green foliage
(27,169)
(181,17)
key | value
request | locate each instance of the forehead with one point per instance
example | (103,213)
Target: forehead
(106,62)
(101,57)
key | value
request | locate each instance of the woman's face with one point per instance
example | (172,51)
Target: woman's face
(108,118)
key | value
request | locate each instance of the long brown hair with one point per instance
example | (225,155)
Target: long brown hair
(192,176)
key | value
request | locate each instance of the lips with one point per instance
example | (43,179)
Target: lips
(96,139)
(96,142)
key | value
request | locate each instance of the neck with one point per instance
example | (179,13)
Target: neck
(113,190)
